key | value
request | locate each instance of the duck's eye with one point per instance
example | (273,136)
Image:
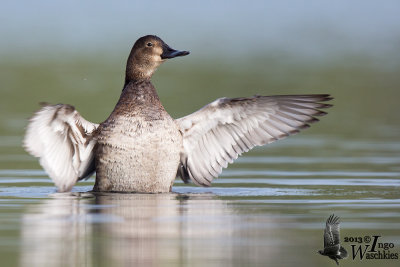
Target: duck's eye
(149,44)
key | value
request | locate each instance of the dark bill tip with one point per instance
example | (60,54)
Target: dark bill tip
(171,53)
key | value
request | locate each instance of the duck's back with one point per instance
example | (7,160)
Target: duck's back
(138,145)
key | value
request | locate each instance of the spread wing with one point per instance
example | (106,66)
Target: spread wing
(62,139)
(331,232)
(222,130)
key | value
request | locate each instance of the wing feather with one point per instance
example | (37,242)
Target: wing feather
(332,231)
(221,131)
(62,140)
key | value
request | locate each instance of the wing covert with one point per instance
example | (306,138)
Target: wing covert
(221,131)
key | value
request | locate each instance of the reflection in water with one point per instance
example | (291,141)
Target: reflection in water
(56,233)
(163,228)
(129,230)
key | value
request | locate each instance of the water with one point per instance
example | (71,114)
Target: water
(267,209)
(261,208)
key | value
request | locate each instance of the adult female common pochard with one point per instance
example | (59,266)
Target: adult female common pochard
(140,148)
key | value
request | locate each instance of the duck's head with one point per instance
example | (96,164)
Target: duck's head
(146,55)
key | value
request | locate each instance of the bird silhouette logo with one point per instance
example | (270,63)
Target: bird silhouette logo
(332,247)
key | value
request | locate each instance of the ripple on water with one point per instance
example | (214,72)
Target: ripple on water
(305,181)
(45,191)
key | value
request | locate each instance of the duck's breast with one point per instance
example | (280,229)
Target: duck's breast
(135,154)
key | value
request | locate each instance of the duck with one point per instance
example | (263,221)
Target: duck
(140,148)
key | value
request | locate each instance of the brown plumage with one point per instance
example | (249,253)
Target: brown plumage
(140,148)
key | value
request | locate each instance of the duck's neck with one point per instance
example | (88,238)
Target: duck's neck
(139,69)
(140,91)
(137,73)
(140,97)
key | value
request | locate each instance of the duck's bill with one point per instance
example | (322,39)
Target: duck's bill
(168,52)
